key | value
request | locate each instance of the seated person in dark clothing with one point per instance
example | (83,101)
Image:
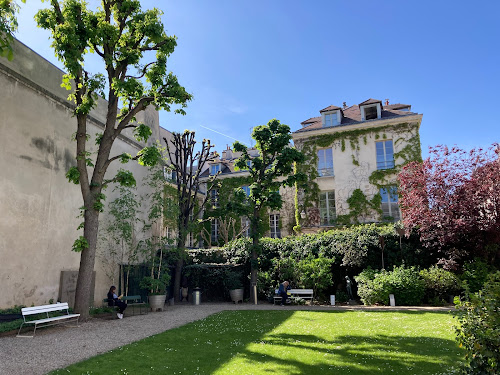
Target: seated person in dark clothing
(282,291)
(114,300)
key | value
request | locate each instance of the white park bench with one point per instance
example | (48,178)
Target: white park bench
(48,320)
(296,293)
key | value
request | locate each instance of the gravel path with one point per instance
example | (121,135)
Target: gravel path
(60,346)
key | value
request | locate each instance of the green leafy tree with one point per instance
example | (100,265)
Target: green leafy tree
(188,166)
(8,25)
(270,170)
(479,329)
(124,36)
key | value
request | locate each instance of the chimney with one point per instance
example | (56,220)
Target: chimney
(386,102)
(344,105)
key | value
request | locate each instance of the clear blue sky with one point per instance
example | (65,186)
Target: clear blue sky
(247,62)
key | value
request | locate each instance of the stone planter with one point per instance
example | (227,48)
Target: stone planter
(157,301)
(236,295)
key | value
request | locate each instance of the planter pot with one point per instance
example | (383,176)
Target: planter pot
(157,302)
(236,295)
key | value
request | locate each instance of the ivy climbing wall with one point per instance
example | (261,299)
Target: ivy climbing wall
(356,180)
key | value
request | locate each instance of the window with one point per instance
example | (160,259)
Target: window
(327,207)
(245,226)
(190,239)
(246,189)
(331,119)
(215,230)
(249,163)
(371,113)
(274,224)
(385,154)
(214,169)
(214,198)
(390,207)
(325,162)
(169,174)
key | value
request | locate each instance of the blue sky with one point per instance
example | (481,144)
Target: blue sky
(248,62)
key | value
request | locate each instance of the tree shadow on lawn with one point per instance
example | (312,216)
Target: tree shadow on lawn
(246,342)
(379,354)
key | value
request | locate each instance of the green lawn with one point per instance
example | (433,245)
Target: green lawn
(291,342)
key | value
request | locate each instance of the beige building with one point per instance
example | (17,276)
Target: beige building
(354,154)
(39,206)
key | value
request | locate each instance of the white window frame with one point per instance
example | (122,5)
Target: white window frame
(328,118)
(390,207)
(214,230)
(330,216)
(214,169)
(387,163)
(325,172)
(274,226)
(245,223)
(379,111)
(214,198)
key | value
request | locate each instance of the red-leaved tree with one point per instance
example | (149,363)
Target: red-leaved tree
(453,200)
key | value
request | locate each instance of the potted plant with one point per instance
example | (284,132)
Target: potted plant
(234,285)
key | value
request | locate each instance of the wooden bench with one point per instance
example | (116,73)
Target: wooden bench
(48,320)
(135,301)
(295,293)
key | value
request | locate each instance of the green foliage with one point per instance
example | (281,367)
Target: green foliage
(405,283)
(156,284)
(479,329)
(149,156)
(233,280)
(80,244)
(475,274)
(316,273)
(142,133)
(73,175)
(125,178)
(98,204)
(439,284)
(8,25)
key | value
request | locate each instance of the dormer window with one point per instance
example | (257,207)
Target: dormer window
(214,169)
(331,119)
(371,112)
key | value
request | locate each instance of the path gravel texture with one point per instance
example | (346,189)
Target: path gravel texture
(59,346)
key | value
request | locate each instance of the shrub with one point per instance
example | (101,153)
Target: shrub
(475,274)
(405,283)
(479,330)
(316,273)
(439,284)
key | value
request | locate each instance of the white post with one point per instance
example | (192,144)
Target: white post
(332,299)
(392,300)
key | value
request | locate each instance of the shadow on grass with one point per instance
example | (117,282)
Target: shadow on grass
(252,342)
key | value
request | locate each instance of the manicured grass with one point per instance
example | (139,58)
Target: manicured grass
(291,342)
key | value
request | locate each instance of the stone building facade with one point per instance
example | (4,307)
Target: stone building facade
(39,206)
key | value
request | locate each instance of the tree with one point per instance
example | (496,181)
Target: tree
(8,25)
(452,199)
(123,36)
(269,171)
(188,166)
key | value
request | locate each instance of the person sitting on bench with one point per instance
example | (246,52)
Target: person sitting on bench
(114,300)
(283,292)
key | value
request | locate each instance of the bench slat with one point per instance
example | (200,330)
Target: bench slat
(44,308)
(41,321)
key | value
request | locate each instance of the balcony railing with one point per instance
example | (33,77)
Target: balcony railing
(326,172)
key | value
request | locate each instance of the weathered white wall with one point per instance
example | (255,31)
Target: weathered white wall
(38,206)
(348,176)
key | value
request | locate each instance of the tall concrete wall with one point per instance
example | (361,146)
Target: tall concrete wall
(38,206)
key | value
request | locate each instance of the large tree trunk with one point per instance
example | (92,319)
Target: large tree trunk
(87,261)
(177,279)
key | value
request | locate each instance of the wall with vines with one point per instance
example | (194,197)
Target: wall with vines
(357,199)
